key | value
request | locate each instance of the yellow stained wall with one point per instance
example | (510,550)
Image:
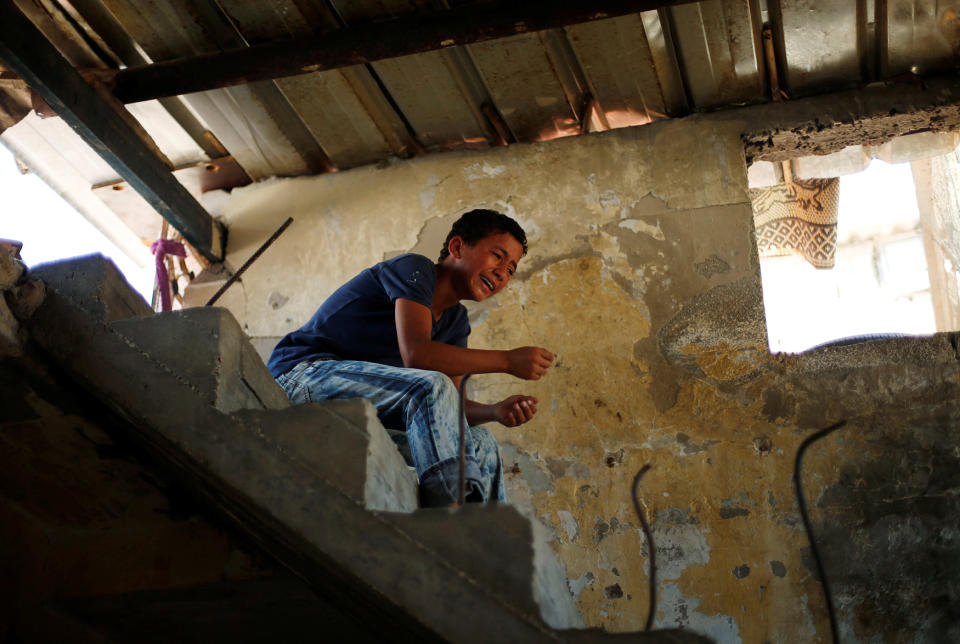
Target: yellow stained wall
(643,277)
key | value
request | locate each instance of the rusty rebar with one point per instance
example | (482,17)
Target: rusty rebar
(652,609)
(802,503)
(246,264)
(462,485)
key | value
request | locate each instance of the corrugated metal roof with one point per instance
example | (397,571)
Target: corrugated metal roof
(636,68)
(623,71)
(922,36)
(718,46)
(821,45)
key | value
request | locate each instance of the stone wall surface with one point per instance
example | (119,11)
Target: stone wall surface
(643,277)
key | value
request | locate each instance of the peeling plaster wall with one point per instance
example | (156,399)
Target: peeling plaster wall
(936,180)
(643,277)
(943,220)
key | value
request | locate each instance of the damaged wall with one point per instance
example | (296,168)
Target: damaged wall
(936,181)
(643,277)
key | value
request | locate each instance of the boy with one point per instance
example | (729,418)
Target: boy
(396,334)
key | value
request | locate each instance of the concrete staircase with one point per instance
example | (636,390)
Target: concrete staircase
(320,487)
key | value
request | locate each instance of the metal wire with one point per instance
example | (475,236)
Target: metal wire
(246,264)
(802,503)
(653,551)
(462,487)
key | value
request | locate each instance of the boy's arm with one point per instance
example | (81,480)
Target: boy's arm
(510,412)
(414,324)
(515,410)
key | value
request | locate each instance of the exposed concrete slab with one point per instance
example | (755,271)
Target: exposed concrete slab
(876,379)
(207,347)
(295,507)
(855,158)
(96,285)
(936,350)
(872,115)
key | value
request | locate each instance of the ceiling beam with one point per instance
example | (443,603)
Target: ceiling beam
(872,115)
(25,51)
(366,43)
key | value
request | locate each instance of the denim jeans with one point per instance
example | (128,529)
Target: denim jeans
(423,403)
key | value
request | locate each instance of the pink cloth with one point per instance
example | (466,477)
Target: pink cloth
(161,248)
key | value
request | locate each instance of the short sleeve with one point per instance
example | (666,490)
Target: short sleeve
(454,327)
(412,277)
(461,327)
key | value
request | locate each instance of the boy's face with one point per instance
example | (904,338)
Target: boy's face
(486,266)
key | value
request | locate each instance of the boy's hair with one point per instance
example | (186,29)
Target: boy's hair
(479,223)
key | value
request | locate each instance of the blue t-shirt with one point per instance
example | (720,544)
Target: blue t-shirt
(357,322)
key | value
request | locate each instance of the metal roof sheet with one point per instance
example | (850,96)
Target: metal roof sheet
(520,75)
(718,46)
(616,72)
(621,70)
(921,36)
(822,43)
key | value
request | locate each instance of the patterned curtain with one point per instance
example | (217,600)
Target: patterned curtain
(798,217)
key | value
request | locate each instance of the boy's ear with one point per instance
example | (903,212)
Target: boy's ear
(455,246)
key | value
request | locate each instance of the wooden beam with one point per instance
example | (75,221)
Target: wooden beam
(25,51)
(392,38)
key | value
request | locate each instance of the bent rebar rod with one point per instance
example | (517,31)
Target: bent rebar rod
(802,503)
(653,551)
(462,494)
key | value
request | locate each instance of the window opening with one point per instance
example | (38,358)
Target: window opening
(876,281)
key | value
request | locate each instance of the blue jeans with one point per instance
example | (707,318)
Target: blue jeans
(423,403)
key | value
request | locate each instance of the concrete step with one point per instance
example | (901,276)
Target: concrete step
(94,284)
(204,345)
(501,550)
(207,347)
(179,374)
(320,487)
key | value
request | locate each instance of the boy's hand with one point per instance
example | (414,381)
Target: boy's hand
(515,410)
(529,363)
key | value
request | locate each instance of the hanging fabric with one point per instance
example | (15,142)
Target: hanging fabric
(798,217)
(161,248)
